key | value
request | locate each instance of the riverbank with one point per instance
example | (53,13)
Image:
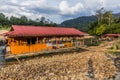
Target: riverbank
(116,59)
(2,57)
(90,64)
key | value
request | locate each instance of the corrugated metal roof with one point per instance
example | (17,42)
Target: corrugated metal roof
(18,30)
(112,35)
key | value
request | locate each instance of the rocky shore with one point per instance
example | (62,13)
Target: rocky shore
(117,64)
(88,65)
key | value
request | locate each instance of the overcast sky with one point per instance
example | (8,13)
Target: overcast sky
(56,10)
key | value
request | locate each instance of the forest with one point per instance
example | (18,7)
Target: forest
(6,22)
(106,23)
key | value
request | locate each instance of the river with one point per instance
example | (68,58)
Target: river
(2,52)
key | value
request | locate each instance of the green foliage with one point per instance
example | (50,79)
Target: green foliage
(92,31)
(114,50)
(119,40)
(100,30)
(107,24)
(113,28)
(115,47)
(90,23)
(94,42)
(5,28)
(5,22)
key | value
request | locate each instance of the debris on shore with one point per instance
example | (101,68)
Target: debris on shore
(74,66)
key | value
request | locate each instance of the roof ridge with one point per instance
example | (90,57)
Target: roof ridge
(42,26)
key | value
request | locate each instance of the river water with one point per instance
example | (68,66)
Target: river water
(2,52)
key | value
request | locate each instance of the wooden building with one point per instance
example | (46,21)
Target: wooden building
(25,39)
(112,35)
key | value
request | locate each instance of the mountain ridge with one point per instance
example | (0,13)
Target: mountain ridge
(82,23)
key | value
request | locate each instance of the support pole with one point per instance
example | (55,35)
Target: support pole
(20,42)
(37,40)
(30,46)
(17,59)
(91,40)
(56,42)
(8,41)
(36,43)
(83,41)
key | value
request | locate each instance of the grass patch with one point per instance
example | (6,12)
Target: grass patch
(5,27)
(114,50)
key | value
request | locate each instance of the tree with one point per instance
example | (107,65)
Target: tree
(99,14)
(23,20)
(92,25)
(14,20)
(108,16)
(42,19)
(105,24)
(100,30)
(117,20)
(3,19)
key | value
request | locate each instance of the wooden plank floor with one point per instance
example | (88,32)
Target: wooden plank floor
(45,52)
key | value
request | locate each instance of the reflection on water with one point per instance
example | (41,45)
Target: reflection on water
(2,59)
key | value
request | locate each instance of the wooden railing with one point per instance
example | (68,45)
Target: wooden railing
(68,44)
(19,49)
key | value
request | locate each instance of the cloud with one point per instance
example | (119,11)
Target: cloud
(44,10)
(31,9)
(66,9)
(94,4)
(33,3)
(21,8)
(56,10)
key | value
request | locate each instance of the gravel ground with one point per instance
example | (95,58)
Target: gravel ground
(92,64)
(89,65)
(117,64)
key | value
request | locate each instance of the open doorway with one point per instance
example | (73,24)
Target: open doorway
(31,41)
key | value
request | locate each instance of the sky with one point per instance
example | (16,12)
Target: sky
(56,10)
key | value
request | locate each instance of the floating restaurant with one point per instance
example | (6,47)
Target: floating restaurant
(25,39)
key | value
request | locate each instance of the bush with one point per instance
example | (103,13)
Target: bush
(115,47)
(119,40)
(95,42)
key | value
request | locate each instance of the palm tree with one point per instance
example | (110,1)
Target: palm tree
(108,16)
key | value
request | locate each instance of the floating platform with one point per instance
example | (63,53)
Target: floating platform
(44,53)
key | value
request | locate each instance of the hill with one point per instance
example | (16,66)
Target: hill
(116,15)
(81,23)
